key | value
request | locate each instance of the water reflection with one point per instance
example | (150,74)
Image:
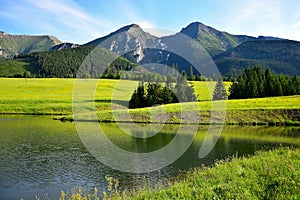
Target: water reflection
(39,155)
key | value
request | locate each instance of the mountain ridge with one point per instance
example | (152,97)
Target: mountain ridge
(133,43)
(14,45)
(213,40)
(282,56)
(128,41)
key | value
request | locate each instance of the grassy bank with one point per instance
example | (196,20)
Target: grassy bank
(267,175)
(54,97)
(265,111)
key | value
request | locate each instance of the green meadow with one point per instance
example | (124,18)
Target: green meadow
(54,97)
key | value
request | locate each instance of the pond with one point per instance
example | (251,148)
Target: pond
(41,156)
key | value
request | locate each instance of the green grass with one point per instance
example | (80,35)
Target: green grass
(54,97)
(203,90)
(267,175)
(272,174)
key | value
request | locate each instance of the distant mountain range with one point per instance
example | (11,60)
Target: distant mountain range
(282,56)
(231,53)
(13,45)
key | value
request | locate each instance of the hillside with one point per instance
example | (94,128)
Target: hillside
(282,56)
(213,40)
(65,63)
(12,45)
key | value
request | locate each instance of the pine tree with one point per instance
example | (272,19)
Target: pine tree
(191,73)
(277,88)
(141,94)
(169,81)
(219,91)
(134,101)
(269,84)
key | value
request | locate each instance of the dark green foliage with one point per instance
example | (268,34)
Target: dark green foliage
(65,63)
(219,91)
(155,93)
(253,83)
(184,92)
(17,68)
(191,73)
(281,56)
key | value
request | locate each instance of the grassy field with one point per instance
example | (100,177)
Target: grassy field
(54,97)
(202,89)
(266,175)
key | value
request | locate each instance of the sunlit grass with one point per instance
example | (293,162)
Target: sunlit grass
(204,90)
(54,97)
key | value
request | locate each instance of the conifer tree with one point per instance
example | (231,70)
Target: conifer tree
(191,73)
(219,91)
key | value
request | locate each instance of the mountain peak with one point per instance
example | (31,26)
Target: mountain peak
(128,27)
(193,29)
(134,26)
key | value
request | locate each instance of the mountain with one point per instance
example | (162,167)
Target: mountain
(12,45)
(231,53)
(129,41)
(269,38)
(195,38)
(214,41)
(65,45)
(282,56)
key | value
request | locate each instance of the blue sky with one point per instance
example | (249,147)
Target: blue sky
(80,21)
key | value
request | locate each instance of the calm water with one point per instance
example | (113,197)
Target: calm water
(41,156)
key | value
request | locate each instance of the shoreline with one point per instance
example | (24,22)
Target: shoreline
(266,174)
(271,117)
(259,117)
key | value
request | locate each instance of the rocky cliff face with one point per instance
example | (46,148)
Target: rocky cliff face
(130,41)
(65,45)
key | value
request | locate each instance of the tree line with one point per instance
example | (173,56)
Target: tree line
(153,93)
(254,83)
(66,63)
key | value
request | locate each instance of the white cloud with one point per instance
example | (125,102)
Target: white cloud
(70,17)
(67,20)
(265,17)
(257,15)
(64,19)
(131,14)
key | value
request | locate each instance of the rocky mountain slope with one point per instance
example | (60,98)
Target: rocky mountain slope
(129,41)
